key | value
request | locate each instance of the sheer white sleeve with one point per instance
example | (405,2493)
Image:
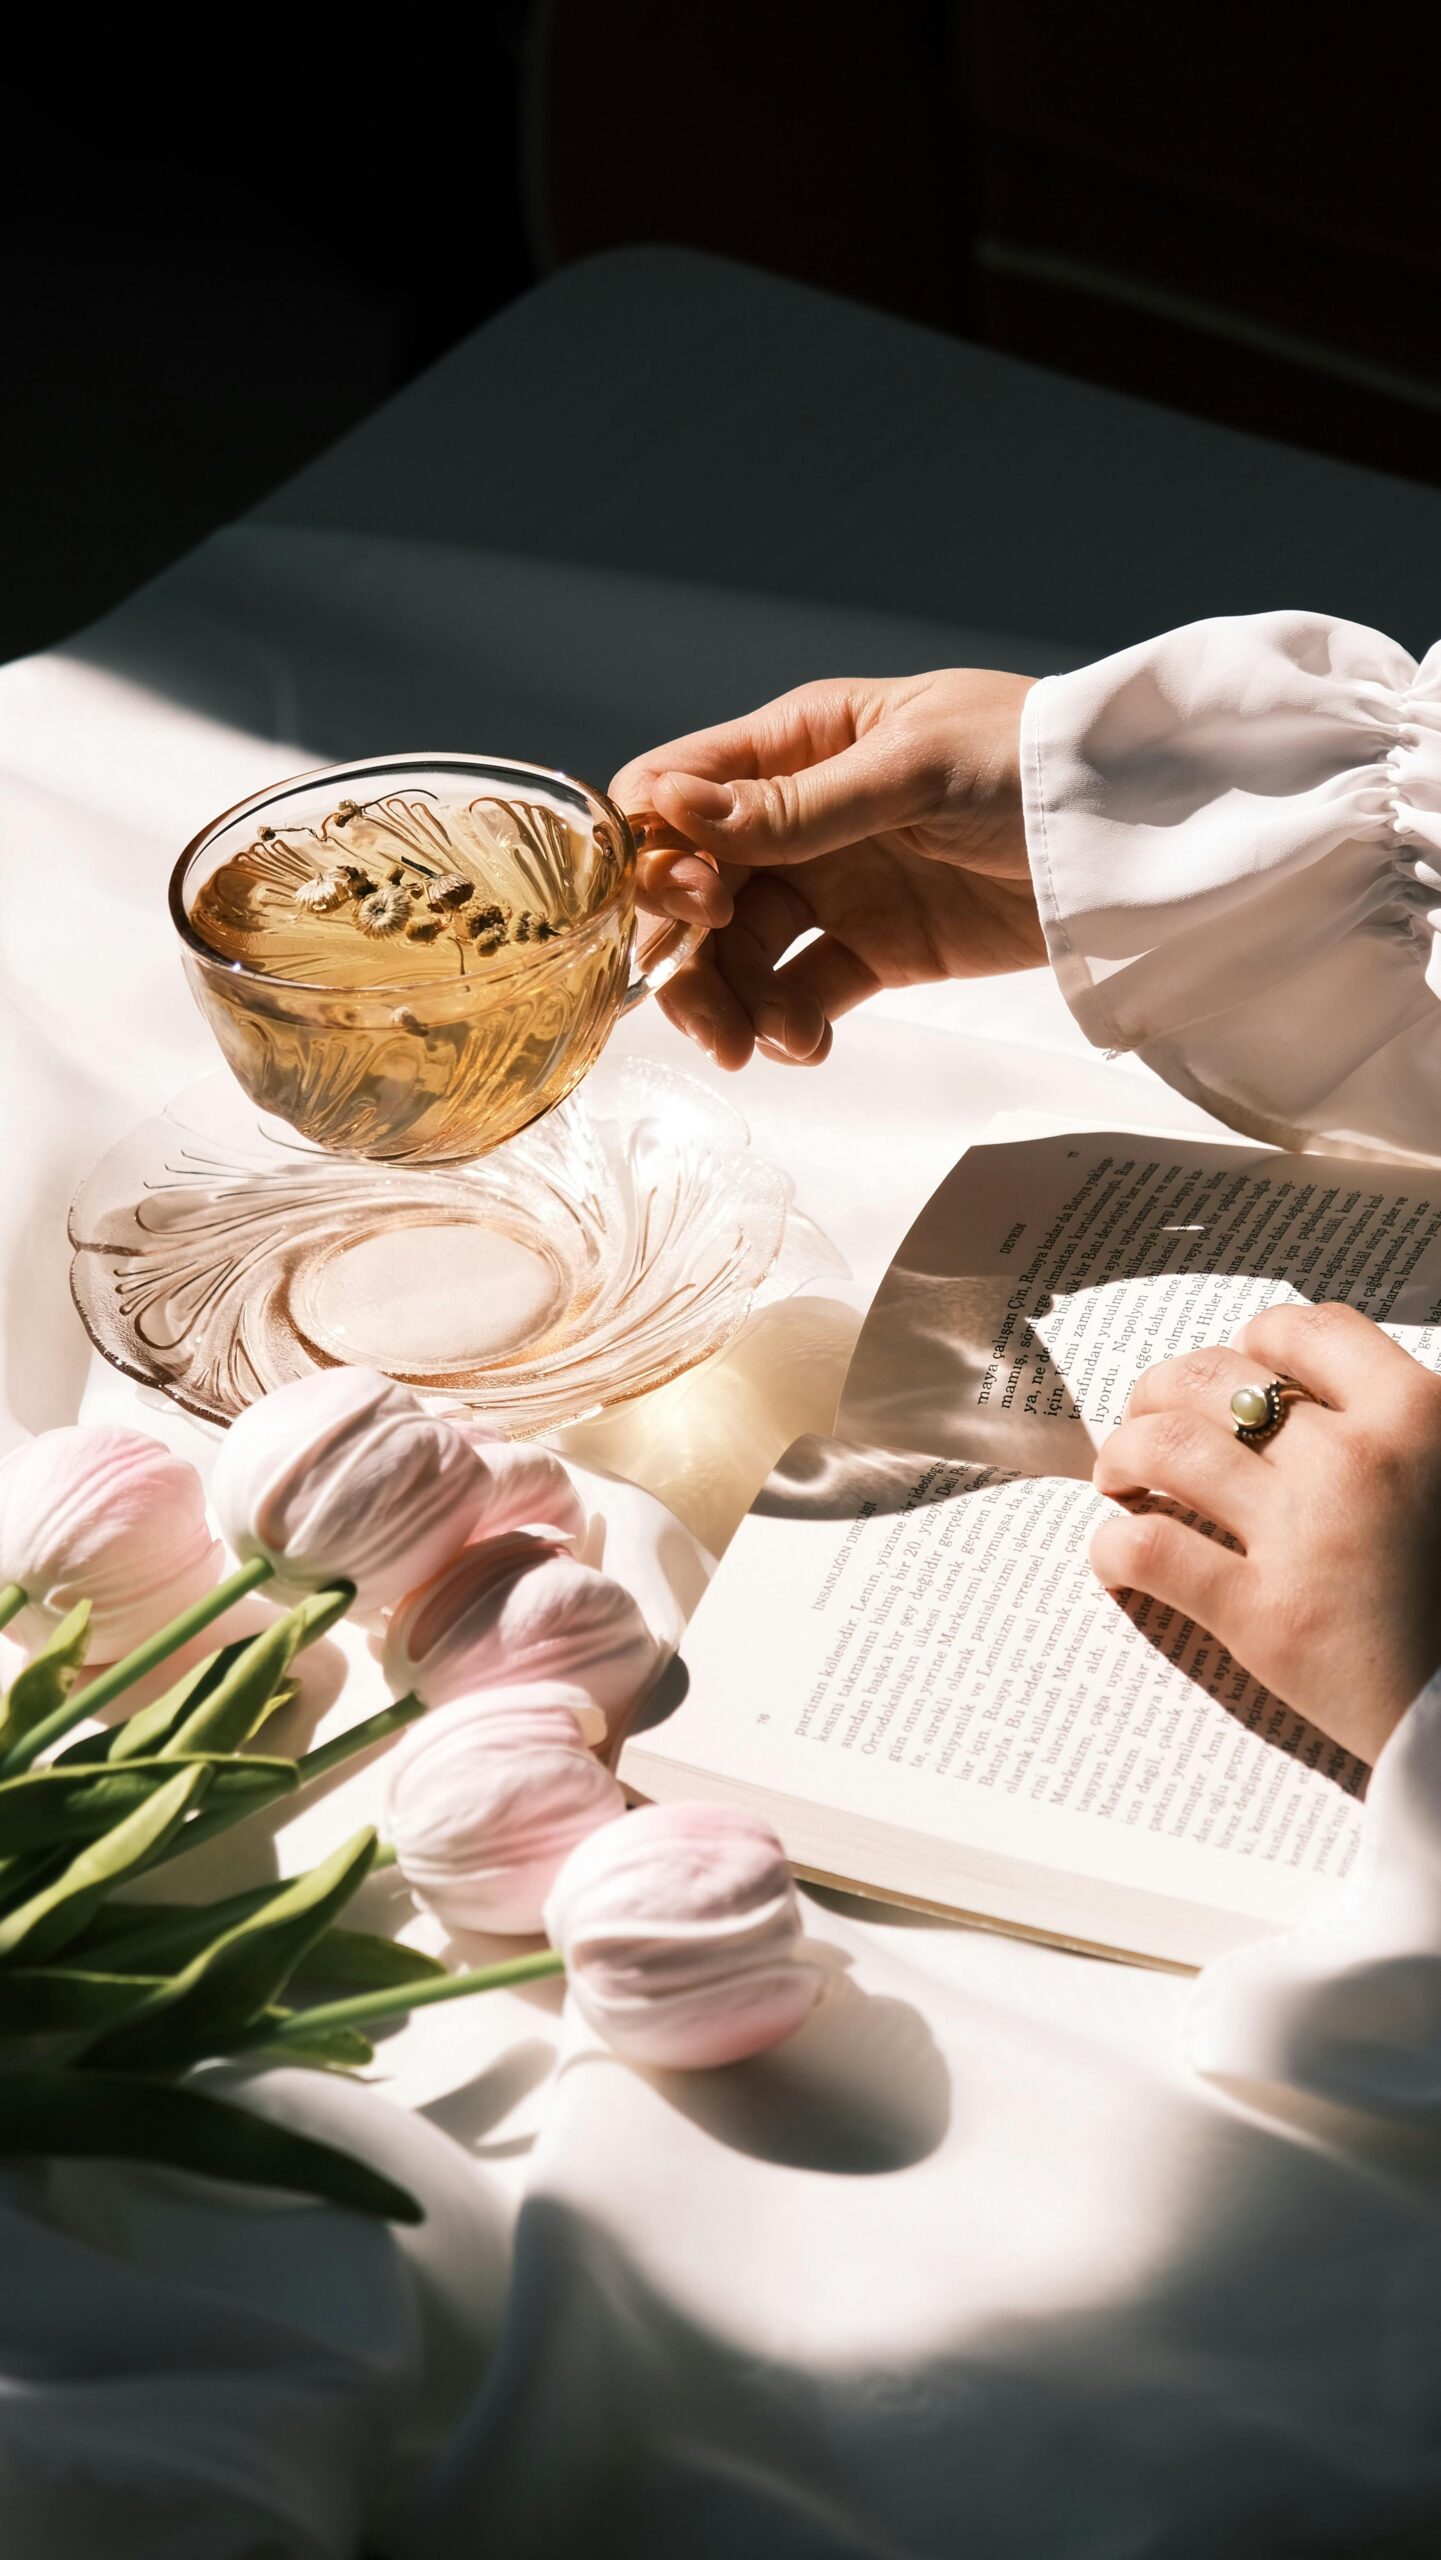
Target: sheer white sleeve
(1235,832)
(1348,2008)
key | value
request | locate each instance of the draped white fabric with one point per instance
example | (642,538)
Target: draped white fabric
(980,2262)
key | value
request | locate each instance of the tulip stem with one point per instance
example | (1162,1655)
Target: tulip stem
(329,1755)
(386,1855)
(205,1825)
(401,1997)
(98,1693)
(12,1601)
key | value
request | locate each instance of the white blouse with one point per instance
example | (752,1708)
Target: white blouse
(1235,834)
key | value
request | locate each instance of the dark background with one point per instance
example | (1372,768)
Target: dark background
(232,249)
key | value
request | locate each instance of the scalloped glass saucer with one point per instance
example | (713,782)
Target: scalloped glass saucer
(616,1243)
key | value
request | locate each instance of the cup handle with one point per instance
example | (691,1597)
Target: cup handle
(665,952)
(668,950)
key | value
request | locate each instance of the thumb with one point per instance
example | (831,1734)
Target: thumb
(789,817)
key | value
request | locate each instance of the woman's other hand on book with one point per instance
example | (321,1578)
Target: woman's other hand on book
(881,818)
(1330,1593)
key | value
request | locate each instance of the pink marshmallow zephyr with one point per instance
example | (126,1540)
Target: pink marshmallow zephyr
(346,1477)
(109,1516)
(682,1937)
(486,1799)
(514,1611)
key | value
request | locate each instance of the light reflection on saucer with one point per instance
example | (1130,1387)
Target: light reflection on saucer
(608,1248)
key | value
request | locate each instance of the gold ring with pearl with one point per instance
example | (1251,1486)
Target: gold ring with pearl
(1260,1409)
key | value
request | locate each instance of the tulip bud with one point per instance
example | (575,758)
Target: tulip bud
(682,1937)
(486,1799)
(515,1610)
(529,1489)
(107,1515)
(345,1476)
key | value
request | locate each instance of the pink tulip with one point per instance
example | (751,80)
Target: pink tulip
(109,1516)
(682,1937)
(345,1476)
(529,1489)
(486,1799)
(515,1610)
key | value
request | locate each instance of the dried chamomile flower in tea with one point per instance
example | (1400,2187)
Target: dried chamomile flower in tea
(406,887)
(416,975)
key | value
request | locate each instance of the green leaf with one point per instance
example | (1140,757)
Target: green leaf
(58,1910)
(52,1999)
(50,1808)
(247,1775)
(229,1984)
(354,1959)
(142,1734)
(58,1808)
(161,1726)
(251,1682)
(319,1611)
(64,2000)
(285,1696)
(62,2115)
(216,1818)
(20,1876)
(329,2049)
(229,1713)
(47,1680)
(160,1937)
(147,1733)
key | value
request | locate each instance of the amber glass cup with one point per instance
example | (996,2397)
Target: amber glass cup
(433,1057)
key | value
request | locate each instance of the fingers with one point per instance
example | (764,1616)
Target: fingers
(811,721)
(1198,1381)
(731,996)
(1195,1461)
(700,1002)
(831,975)
(1192,1394)
(788,1021)
(688,886)
(1338,1353)
(1147,1551)
(869,786)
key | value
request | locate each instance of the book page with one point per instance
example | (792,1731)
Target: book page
(1045,1274)
(915,1664)
(905,1650)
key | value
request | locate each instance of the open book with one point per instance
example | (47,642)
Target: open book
(904,1660)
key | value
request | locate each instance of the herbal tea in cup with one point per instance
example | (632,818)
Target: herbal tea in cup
(411,960)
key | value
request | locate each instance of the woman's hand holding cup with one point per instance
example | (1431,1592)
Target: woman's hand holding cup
(881,817)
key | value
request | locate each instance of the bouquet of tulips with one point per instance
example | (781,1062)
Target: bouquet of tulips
(677,1927)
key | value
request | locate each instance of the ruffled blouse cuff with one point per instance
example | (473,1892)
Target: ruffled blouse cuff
(1235,836)
(1348,2007)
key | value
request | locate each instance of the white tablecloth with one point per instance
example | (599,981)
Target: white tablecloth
(974,2264)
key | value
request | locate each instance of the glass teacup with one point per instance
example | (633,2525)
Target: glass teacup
(412,959)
